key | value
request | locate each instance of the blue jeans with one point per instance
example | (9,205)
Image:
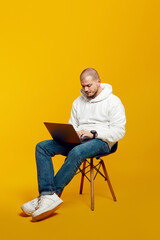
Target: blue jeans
(76,154)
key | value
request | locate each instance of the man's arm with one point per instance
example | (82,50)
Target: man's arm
(116,129)
(73,119)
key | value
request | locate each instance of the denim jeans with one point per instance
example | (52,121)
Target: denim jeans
(48,183)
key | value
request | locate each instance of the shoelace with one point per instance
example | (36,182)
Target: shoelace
(34,203)
(40,200)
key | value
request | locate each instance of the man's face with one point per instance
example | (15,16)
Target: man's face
(91,87)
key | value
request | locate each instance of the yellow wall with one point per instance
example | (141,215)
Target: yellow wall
(44,46)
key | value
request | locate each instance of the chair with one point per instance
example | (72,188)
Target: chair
(92,177)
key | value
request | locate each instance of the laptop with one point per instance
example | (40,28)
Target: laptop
(62,132)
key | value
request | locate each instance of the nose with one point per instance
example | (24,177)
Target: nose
(86,89)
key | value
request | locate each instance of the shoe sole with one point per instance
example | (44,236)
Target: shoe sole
(45,214)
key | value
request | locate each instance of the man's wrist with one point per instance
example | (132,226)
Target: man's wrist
(95,134)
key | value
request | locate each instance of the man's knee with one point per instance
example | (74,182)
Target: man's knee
(41,145)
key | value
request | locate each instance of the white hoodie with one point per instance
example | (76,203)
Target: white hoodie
(104,113)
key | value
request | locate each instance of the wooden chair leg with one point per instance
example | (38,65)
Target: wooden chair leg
(108,181)
(92,185)
(82,177)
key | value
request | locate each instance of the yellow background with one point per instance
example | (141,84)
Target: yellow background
(44,46)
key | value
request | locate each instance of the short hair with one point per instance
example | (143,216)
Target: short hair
(89,72)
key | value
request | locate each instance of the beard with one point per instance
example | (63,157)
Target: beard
(93,94)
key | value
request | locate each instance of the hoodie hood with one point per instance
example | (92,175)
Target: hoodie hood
(106,91)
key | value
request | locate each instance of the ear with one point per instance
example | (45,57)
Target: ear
(99,80)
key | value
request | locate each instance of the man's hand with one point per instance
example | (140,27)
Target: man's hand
(84,134)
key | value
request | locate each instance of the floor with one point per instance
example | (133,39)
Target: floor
(135,215)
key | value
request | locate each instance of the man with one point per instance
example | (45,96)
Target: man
(97,115)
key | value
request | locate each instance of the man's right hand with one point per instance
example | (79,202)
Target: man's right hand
(84,134)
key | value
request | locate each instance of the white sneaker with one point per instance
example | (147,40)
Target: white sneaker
(47,205)
(29,207)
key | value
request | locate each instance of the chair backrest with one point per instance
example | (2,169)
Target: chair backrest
(113,149)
